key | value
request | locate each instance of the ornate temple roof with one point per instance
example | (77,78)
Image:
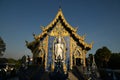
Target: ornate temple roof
(71,30)
(59,15)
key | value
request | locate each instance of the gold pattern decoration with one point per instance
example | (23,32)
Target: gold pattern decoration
(59,30)
(78,52)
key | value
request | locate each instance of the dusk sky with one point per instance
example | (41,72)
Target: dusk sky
(98,19)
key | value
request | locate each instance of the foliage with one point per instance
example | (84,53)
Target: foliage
(18,63)
(23,59)
(11,60)
(114,62)
(3,60)
(102,56)
(2,46)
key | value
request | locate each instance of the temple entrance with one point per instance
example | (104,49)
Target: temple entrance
(39,60)
(78,61)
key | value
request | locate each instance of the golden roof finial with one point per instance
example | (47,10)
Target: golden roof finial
(35,37)
(92,43)
(84,36)
(42,27)
(76,29)
(60,8)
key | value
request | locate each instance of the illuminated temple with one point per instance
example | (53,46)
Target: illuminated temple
(59,40)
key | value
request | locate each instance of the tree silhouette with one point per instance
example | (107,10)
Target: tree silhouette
(2,46)
(114,61)
(102,56)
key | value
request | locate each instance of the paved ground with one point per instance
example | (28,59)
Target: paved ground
(71,76)
(45,76)
(13,78)
(37,73)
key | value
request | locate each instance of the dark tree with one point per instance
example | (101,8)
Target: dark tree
(2,46)
(102,57)
(24,59)
(114,61)
(3,60)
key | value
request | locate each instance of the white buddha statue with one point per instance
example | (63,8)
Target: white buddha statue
(59,49)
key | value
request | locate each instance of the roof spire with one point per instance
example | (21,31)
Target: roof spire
(59,8)
(59,4)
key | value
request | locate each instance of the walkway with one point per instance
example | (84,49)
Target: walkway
(71,76)
(37,73)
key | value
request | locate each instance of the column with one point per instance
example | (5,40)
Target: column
(71,63)
(84,58)
(46,53)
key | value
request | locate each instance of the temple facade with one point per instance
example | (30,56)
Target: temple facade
(59,41)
